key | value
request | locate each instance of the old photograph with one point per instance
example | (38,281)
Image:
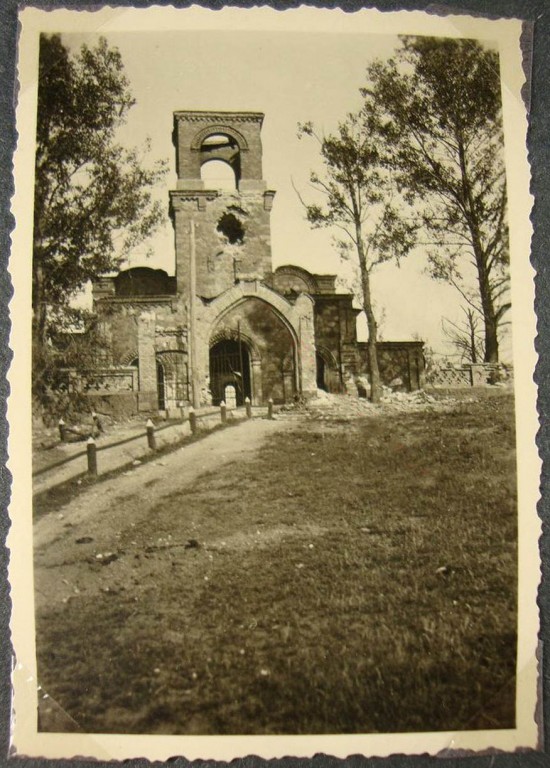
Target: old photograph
(276,329)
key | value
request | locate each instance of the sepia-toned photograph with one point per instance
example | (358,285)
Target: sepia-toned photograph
(279,402)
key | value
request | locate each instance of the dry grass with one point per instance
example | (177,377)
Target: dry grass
(357,579)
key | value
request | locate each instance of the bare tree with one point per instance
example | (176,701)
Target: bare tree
(466,335)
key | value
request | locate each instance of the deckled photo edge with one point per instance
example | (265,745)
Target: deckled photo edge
(25,738)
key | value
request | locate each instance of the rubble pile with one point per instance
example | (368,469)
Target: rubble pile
(331,407)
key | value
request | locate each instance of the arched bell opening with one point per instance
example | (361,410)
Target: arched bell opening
(218,174)
(220,160)
(230,368)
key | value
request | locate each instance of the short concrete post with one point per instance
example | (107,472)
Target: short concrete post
(92,456)
(223,412)
(192,419)
(270,408)
(248,406)
(62,430)
(151,442)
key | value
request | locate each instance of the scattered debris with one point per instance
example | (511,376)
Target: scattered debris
(84,540)
(346,408)
(106,558)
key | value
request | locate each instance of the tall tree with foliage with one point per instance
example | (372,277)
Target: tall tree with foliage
(441,105)
(93,200)
(360,202)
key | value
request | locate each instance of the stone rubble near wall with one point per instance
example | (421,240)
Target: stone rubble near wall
(328,407)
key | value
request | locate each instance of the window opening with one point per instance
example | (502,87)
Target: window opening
(218,174)
(216,140)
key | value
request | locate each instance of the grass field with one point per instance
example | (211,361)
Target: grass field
(353,577)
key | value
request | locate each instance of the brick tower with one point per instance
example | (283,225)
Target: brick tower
(222,195)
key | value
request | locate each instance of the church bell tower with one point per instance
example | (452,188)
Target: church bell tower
(221,207)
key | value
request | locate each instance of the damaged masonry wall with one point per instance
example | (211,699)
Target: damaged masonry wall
(226,319)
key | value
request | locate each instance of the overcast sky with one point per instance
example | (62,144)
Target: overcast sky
(292,77)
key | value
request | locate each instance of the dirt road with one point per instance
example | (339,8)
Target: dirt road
(93,526)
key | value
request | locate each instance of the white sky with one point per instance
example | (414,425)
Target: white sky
(292,77)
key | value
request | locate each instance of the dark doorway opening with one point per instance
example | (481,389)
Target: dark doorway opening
(160,387)
(321,373)
(230,366)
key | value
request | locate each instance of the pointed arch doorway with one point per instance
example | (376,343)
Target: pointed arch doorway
(230,367)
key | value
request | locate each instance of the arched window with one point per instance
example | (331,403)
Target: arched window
(220,161)
(217,141)
(218,174)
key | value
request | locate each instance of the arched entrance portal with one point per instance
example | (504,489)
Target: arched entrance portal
(230,366)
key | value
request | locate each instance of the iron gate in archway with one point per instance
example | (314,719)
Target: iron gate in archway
(230,365)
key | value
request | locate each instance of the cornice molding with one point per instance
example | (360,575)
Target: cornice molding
(138,301)
(234,117)
(198,196)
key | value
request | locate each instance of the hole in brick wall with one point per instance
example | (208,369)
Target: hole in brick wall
(231,228)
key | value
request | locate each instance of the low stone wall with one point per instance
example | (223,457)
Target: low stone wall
(115,404)
(469,375)
(401,363)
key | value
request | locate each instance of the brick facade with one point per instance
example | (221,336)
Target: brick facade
(226,321)
(218,262)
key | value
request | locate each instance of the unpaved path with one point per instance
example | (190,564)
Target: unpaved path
(95,523)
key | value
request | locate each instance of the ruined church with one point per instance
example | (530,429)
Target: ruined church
(227,326)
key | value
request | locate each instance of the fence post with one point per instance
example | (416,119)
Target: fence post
(92,456)
(270,408)
(223,411)
(151,442)
(62,430)
(96,422)
(248,406)
(192,419)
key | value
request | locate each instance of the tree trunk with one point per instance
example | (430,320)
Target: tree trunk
(39,305)
(490,319)
(473,350)
(491,340)
(372,351)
